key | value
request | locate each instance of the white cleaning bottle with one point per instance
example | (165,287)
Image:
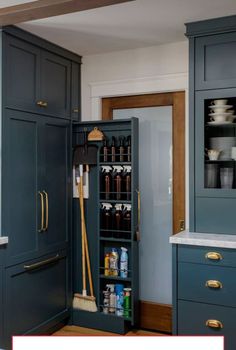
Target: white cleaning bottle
(124,263)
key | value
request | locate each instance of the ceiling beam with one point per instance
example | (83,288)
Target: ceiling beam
(47,8)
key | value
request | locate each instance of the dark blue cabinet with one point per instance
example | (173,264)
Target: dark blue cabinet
(35,194)
(75,92)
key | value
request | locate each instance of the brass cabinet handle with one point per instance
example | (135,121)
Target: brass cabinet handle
(42,103)
(42,212)
(214,324)
(139,216)
(42,263)
(46,206)
(213,284)
(213,256)
(76,110)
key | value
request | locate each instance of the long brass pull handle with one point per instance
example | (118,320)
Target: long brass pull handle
(76,110)
(139,216)
(42,103)
(42,212)
(213,256)
(42,263)
(46,206)
(213,284)
(214,324)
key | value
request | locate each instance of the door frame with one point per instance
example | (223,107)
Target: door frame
(148,310)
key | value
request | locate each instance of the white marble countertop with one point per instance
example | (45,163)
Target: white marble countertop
(3,240)
(204,239)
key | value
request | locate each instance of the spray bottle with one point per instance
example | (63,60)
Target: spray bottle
(124,263)
(121,149)
(104,151)
(112,298)
(106,181)
(127,182)
(114,260)
(128,148)
(117,181)
(106,217)
(127,218)
(118,219)
(113,149)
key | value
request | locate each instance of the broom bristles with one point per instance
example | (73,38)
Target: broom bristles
(84,302)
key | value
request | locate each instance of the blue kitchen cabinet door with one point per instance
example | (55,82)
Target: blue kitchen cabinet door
(56,143)
(55,85)
(21,181)
(21,74)
(75,92)
(35,295)
(215,57)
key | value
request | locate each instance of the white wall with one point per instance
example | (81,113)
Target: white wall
(131,64)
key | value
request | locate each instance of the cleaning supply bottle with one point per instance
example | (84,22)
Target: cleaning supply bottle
(113,149)
(118,220)
(128,149)
(106,218)
(124,263)
(117,180)
(127,218)
(112,301)
(114,260)
(127,182)
(119,290)
(121,149)
(106,182)
(107,264)
(105,151)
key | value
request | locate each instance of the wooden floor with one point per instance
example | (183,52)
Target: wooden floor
(79,331)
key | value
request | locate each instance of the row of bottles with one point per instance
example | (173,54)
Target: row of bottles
(116,262)
(116,218)
(118,151)
(117,300)
(116,182)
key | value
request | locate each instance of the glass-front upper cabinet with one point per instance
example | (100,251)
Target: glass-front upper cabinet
(215,143)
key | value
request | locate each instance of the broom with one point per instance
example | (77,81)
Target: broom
(84,301)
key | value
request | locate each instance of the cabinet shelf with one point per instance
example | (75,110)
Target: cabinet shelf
(115,278)
(115,163)
(115,201)
(108,239)
(220,161)
(114,315)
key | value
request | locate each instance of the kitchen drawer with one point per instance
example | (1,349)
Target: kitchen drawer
(192,318)
(195,254)
(34,295)
(192,284)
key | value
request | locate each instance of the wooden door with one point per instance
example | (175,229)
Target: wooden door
(56,186)
(55,85)
(153,315)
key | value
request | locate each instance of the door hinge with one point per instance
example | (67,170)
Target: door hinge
(182,225)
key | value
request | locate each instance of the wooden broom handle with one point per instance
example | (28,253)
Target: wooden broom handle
(85,240)
(80,186)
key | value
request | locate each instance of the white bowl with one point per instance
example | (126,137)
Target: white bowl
(219,102)
(220,109)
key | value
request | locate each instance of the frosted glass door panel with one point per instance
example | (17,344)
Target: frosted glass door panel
(155,178)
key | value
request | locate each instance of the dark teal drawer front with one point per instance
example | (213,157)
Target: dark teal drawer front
(193,279)
(192,318)
(194,254)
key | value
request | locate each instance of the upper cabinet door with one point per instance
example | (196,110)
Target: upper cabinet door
(21,74)
(75,91)
(215,57)
(55,85)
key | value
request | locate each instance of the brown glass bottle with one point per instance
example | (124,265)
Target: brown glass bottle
(128,149)
(118,182)
(113,149)
(127,183)
(106,182)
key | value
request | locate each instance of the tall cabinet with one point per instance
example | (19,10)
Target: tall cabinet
(204,259)
(40,98)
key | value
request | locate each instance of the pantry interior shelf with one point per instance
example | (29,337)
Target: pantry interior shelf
(220,161)
(116,278)
(114,315)
(115,239)
(232,125)
(114,201)
(115,163)
(115,231)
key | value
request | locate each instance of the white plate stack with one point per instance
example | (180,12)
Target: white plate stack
(221,112)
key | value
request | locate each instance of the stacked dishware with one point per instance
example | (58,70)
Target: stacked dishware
(224,145)
(221,112)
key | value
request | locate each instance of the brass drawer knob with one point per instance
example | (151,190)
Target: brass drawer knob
(42,103)
(214,324)
(213,284)
(213,256)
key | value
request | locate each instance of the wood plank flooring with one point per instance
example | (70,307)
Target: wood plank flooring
(80,331)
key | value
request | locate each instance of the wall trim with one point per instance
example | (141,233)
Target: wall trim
(136,86)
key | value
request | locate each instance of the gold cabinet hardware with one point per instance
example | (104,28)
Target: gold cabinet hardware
(42,212)
(213,284)
(181,225)
(42,103)
(214,324)
(46,215)
(76,110)
(139,216)
(213,256)
(42,263)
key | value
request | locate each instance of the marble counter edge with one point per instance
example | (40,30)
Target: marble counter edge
(204,239)
(3,240)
